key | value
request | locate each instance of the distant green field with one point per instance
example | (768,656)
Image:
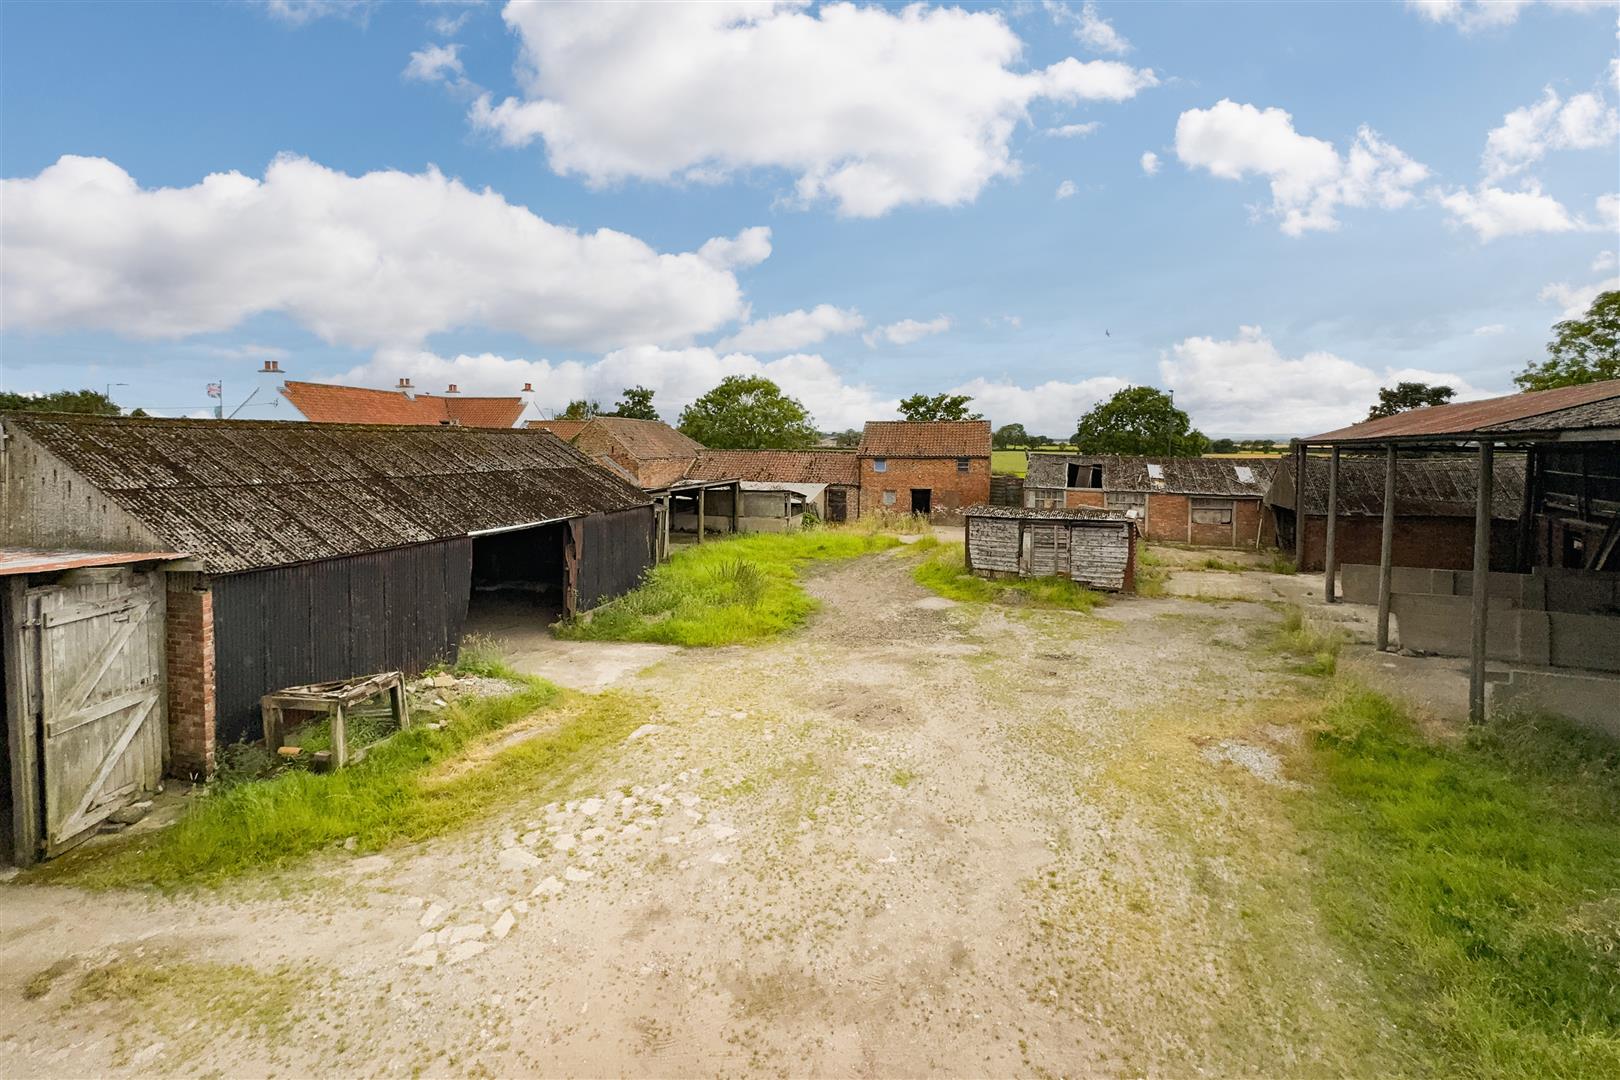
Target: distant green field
(1011,462)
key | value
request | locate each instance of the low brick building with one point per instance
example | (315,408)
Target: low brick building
(838,470)
(1434,511)
(938,468)
(1215,502)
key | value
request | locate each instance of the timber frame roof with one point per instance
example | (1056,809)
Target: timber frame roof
(1424,487)
(250,494)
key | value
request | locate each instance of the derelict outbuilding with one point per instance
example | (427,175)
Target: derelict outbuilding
(318,551)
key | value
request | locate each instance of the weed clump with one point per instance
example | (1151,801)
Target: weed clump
(1317,649)
(943,572)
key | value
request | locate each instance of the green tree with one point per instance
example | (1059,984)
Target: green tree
(938,407)
(1582,350)
(636,403)
(72,401)
(848,439)
(1009,435)
(748,412)
(1223,446)
(1139,420)
(1409,395)
(580,410)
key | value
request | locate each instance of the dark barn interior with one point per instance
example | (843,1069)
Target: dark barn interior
(521,571)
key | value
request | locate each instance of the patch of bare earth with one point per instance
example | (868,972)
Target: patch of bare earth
(914,838)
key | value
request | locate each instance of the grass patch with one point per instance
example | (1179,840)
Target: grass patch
(942,572)
(419,784)
(1009,462)
(1151,572)
(1480,881)
(1318,650)
(726,591)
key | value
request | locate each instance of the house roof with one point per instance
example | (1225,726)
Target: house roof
(1566,408)
(326,403)
(1229,477)
(247,494)
(935,438)
(1424,487)
(563,429)
(643,439)
(780,466)
(1056,513)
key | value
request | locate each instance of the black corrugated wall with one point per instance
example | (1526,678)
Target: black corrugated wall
(615,550)
(399,609)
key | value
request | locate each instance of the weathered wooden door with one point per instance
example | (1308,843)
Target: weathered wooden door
(837,504)
(1043,550)
(103,731)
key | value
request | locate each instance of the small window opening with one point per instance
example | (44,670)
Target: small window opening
(961,464)
(880,464)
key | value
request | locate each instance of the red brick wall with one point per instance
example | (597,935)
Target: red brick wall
(1440,543)
(1167,518)
(189,645)
(952,490)
(1083,497)
(1248,517)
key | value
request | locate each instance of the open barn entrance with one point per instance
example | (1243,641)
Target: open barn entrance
(519,579)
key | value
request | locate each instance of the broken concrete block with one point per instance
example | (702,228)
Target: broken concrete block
(574,873)
(444,681)
(547,886)
(465,951)
(467,932)
(495,904)
(427,959)
(129,815)
(516,858)
(432,917)
(503,925)
(290,751)
(424,942)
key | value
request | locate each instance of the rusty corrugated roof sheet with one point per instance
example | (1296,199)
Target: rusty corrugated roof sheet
(47,560)
(1539,410)
(1231,477)
(934,438)
(328,403)
(780,466)
(1424,487)
(246,494)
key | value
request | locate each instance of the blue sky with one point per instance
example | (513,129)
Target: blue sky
(955,199)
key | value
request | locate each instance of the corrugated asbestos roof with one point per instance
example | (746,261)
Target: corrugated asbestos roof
(1056,513)
(1181,476)
(782,466)
(43,560)
(247,494)
(1540,410)
(936,438)
(1424,487)
(327,403)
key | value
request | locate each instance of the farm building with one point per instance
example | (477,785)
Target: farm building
(1554,621)
(938,468)
(263,555)
(327,403)
(1207,501)
(1096,548)
(1434,523)
(836,472)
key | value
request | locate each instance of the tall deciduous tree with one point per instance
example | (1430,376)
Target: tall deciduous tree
(581,410)
(1139,420)
(1009,435)
(1582,350)
(847,439)
(636,403)
(73,401)
(938,407)
(1409,395)
(748,412)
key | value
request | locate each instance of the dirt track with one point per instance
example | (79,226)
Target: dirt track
(916,838)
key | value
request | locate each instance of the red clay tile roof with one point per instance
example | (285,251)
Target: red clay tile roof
(779,466)
(563,429)
(326,403)
(643,439)
(939,438)
(1510,412)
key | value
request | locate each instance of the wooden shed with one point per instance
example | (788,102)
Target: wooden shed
(1096,548)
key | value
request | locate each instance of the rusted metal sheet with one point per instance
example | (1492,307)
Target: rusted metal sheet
(1565,408)
(41,561)
(247,495)
(315,622)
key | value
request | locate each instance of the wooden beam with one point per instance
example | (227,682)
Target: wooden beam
(1481,583)
(702,498)
(1330,567)
(20,706)
(1299,504)
(1386,549)
(736,508)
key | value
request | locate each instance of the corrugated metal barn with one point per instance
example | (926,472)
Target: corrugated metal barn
(319,551)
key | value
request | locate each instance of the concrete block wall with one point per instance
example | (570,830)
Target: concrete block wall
(1443,625)
(189,649)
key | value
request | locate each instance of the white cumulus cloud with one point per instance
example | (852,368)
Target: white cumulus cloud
(1051,408)
(1490,330)
(907,331)
(1493,212)
(436,63)
(1605,260)
(300,12)
(385,258)
(1245,385)
(1471,15)
(1071,131)
(1066,190)
(869,107)
(1575,300)
(793,330)
(1310,179)
(1583,122)
(1150,163)
(1089,27)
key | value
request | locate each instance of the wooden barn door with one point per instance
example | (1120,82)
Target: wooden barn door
(102,725)
(1041,550)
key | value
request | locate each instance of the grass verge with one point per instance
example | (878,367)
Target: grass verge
(1151,572)
(941,571)
(1318,650)
(1478,880)
(420,783)
(725,591)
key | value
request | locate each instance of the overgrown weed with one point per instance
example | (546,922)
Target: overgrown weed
(942,571)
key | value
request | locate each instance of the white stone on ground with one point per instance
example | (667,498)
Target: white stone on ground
(521,907)
(495,904)
(532,837)
(547,886)
(503,925)
(642,732)
(739,715)
(423,959)
(425,941)
(591,807)
(721,832)
(465,951)
(688,798)
(516,858)
(720,858)
(432,917)
(467,932)
(574,873)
